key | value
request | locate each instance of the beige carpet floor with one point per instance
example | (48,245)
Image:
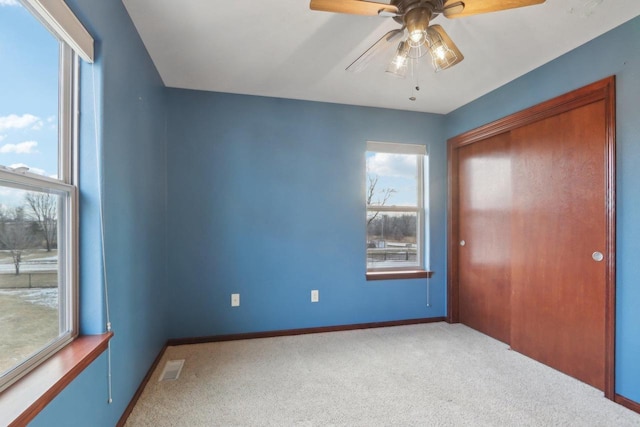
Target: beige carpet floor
(420,375)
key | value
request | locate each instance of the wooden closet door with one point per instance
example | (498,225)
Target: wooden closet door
(484,236)
(558,222)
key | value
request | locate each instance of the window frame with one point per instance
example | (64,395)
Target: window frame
(68,268)
(23,400)
(416,270)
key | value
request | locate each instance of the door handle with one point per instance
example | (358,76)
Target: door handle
(462,243)
(597,256)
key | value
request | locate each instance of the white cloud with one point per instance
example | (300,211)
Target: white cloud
(13,121)
(27,147)
(396,165)
(9,3)
(32,170)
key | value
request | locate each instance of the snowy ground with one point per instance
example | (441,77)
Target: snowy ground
(46,297)
(29,266)
(33,260)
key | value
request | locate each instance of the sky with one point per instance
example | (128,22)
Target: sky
(397,172)
(28,96)
(28,91)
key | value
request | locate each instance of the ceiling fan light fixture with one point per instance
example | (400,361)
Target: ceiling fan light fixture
(400,61)
(415,16)
(417,38)
(444,52)
(417,21)
(442,57)
(417,52)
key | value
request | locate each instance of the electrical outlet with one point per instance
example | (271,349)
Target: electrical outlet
(315,297)
(235,300)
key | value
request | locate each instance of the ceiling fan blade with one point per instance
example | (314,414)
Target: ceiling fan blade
(356,7)
(444,52)
(382,44)
(460,8)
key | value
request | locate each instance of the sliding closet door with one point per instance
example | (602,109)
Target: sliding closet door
(531,255)
(558,242)
(484,236)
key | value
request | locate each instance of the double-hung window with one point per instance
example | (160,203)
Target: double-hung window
(395,195)
(38,199)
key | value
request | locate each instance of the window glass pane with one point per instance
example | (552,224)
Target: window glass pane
(31,297)
(29,55)
(392,179)
(391,239)
(36,290)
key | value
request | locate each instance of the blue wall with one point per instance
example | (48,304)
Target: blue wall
(617,52)
(131,103)
(266,199)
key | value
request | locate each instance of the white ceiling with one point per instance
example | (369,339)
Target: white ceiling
(280,48)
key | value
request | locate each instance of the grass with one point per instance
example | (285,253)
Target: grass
(29,280)
(26,327)
(26,324)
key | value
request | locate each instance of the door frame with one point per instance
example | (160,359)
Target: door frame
(602,90)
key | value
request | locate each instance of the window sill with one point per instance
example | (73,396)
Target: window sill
(22,401)
(399,274)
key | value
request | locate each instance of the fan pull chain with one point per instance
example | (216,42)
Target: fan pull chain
(414,73)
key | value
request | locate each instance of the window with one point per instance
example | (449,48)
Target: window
(38,209)
(395,206)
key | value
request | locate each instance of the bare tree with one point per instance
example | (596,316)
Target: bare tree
(43,207)
(16,235)
(384,196)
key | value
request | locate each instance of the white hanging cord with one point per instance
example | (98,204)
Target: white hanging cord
(102,234)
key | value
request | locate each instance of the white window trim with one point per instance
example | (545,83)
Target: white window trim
(420,209)
(61,21)
(397,148)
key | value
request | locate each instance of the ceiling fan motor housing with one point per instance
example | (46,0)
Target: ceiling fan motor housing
(417,13)
(417,19)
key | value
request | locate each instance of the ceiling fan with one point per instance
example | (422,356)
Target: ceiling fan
(415,16)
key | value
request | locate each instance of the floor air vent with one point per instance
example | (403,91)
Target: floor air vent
(171,370)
